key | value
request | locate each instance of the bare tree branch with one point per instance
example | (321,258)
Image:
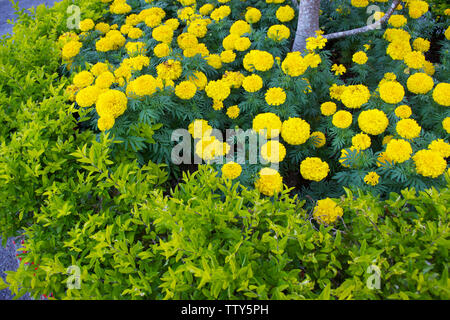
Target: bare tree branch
(370,27)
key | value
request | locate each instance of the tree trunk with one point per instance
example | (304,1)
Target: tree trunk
(308,23)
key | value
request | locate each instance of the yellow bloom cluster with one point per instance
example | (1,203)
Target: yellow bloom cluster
(420,83)
(342,119)
(295,131)
(391,92)
(429,163)
(354,96)
(408,129)
(231,170)
(441,94)
(372,178)
(269,182)
(258,60)
(273,151)
(327,211)
(373,121)
(275,96)
(267,125)
(294,64)
(398,150)
(313,168)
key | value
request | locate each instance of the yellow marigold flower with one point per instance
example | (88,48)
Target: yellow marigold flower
(391,92)
(285,13)
(441,147)
(111,102)
(227,56)
(105,80)
(83,79)
(414,59)
(420,83)
(252,15)
(252,83)
(312,60)
(275,96)
(429,163)
(267,124)
(361,141)
(338,69)
(86,25)
(447,33)
(398,150)
(198,28)
(269,182)
(273,151)
(360,57)
(397,20)
(259,60)
(206,9)
(417,8)
(278,32)
(199,128)
(220,13)
(187,40)
(185,90)
(383,160)
(240,27)
(295,131)
(144,85)
(199,79)
(327,211)
(373,121)
(169,70)
(161,50)
(217,90)
(336,91)
(135,33)
(214,61)
(106,122)
(102,27)
(428,67)
(231,170)
(386,139)
(313,168)
(441,94)
(421,44)
(318,139)
(446,124)
(242,44)
(403,111)
(209,148)
(98,68)
(233,112)
(360,3)
(398,49)
(233,78)
(328,108)
(354,96)
(88,96)
(294,64)
(345,156)
(71,49)
(408,128)
(217,105)
(342,119)
(372,178)
(163,33)
(317,42)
